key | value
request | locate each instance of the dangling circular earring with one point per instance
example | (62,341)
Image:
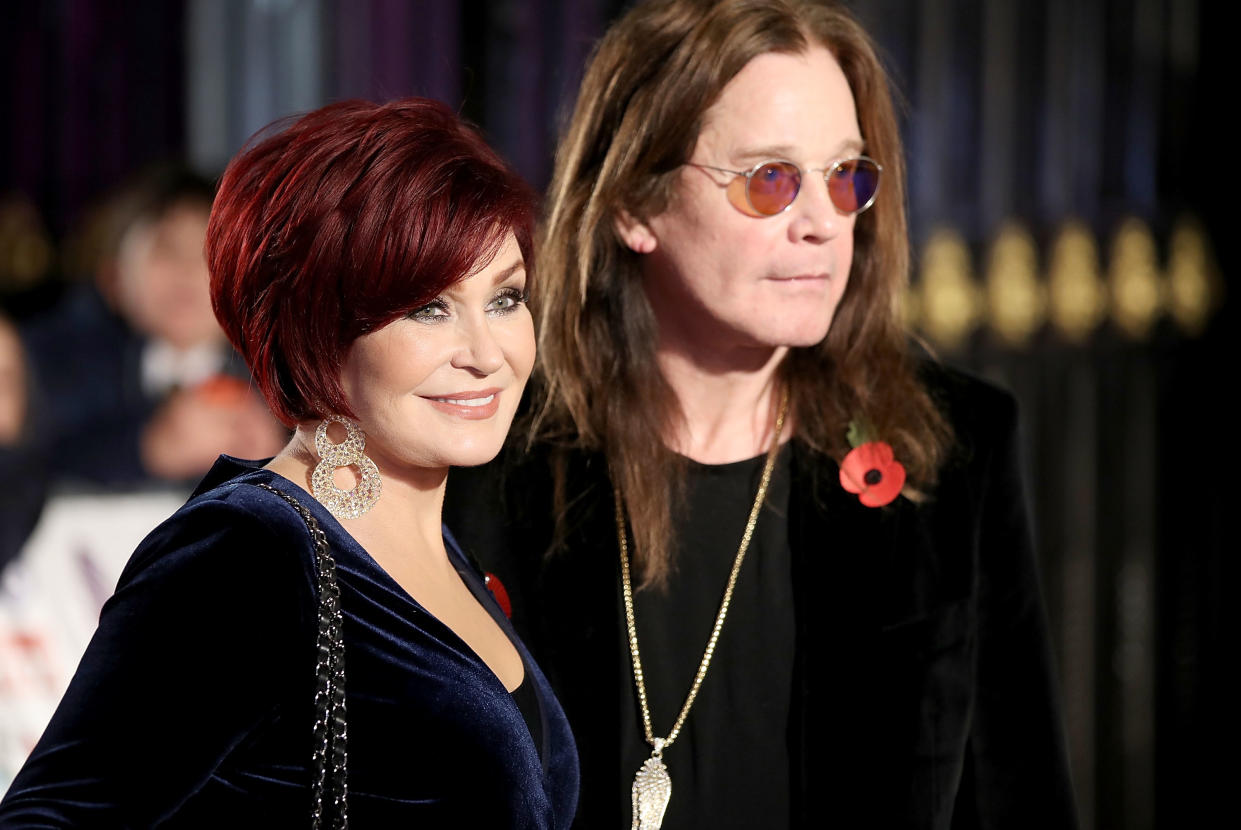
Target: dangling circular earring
(344,504)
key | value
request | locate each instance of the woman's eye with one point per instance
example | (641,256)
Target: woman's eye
(507,300)
(433,310)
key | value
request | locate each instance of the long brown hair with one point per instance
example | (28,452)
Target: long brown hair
(639,112)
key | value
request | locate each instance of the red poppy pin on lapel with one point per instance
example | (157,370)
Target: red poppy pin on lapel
(871,470)
(497,589)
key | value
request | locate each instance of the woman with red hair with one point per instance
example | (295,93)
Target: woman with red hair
(370,264)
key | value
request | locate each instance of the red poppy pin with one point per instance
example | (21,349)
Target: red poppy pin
(871,470)
(497,589)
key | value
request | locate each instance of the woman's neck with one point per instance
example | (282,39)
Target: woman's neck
(727,398)
(405,521)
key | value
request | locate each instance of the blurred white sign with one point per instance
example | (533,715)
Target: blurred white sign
(50,598)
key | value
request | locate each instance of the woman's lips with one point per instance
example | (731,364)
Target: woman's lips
(472,406)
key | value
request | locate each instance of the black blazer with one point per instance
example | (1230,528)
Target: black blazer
(924,694)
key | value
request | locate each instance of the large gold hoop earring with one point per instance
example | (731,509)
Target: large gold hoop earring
(344,504)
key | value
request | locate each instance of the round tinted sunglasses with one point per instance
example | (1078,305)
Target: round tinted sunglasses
(771,186)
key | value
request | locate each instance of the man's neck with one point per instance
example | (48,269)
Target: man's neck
(727,399)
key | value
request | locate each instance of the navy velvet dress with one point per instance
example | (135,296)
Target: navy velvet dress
(193,704)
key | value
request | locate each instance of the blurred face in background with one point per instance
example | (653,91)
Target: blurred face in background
(162,279)
(12,385)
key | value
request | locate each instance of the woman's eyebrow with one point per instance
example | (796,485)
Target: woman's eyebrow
(501,276)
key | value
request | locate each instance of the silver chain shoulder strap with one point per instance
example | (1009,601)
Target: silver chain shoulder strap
(330,757)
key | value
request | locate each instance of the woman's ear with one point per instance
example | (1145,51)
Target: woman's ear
(635,234)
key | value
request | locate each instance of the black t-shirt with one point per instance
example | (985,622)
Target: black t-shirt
(729,766)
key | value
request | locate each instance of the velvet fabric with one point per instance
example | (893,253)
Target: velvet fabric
(193,704)
(923,687)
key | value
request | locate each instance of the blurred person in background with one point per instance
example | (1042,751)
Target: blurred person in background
(20,507)
(303,643)
(779,566)
(133,375)
(13,401)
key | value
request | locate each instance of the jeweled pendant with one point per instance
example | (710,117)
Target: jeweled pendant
(652,789)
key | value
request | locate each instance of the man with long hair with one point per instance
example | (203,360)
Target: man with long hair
(779,567)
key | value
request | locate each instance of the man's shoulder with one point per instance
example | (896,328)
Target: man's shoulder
(961,394)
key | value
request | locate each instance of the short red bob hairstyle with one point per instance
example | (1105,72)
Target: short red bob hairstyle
(343,221)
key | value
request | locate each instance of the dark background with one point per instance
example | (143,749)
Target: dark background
(1025,120)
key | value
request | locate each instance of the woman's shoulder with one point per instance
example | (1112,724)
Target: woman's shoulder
(253,495)
(232,521)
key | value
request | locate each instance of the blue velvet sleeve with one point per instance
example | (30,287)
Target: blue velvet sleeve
(210,626)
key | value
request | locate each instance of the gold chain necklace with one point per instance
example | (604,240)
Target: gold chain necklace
(652,786)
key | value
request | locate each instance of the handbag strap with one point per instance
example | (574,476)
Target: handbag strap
(329,757)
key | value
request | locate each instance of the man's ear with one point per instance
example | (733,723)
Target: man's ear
(635,234)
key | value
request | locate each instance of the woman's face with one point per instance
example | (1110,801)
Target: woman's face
(719,279)
(439,388)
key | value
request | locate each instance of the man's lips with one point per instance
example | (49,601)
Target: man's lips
(821,277)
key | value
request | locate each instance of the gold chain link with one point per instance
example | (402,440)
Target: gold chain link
(661,744)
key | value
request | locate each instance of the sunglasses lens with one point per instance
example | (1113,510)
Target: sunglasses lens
(852,184)
(773,187)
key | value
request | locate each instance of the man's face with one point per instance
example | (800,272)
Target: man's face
(722,279)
